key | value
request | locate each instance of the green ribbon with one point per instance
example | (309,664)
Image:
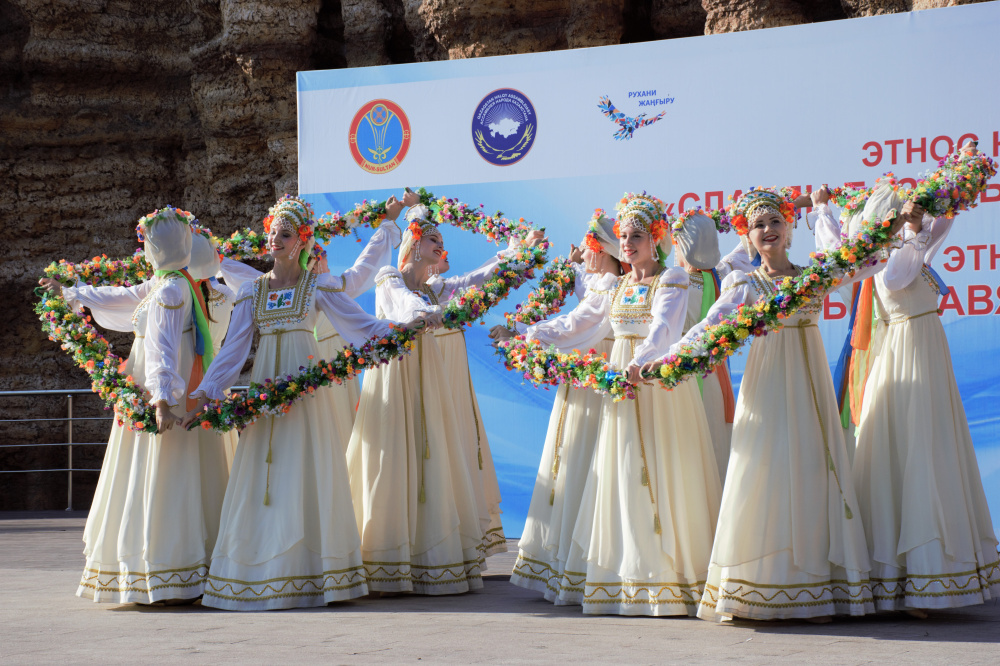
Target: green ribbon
(200,320)
(708,297)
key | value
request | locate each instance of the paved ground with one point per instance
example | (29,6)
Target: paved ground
(42,622)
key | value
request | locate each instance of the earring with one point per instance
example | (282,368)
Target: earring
(416,251)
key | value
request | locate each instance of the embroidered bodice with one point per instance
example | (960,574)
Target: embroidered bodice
(287,307)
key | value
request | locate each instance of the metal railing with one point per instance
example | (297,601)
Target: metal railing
(69,443)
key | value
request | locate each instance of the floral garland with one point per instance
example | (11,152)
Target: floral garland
(952,188)
(275,397)
(246,243)
(496,228)
(474,302)
(76,333)
(548,298)
(721,217)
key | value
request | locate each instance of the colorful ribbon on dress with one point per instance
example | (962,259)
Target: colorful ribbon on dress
(942,287)
(203,349)
(710,294)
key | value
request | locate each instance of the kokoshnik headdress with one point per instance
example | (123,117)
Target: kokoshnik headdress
(420,219)
(297,215)
(648,214)
(758,202)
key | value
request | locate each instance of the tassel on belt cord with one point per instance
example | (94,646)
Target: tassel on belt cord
(277,368)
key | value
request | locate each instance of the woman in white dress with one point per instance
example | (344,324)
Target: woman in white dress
(287,537)
(357,279)
(649,506)
(930,535)
(155,514)
(415,493)
(472,429)
(697,241)
(789,542)
(205,264)
(574,426)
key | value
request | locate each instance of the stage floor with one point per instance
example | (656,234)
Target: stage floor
(43,622)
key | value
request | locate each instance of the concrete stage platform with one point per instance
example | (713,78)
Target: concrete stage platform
(42,622)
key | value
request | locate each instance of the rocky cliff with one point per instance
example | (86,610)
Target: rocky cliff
(111,108)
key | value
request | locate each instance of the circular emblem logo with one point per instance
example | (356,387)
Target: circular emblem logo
(504,127)
(379,136)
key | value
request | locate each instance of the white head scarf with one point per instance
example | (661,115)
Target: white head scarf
(167,244)
(698,242)
(421,214)
(603,229)
(878,205)
(205,261)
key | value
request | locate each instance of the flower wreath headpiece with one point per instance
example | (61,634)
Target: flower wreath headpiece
(677,222)
(165,213)
(207,234)
(599,237)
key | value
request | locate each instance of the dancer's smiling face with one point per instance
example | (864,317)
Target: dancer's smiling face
(282,242)
(635,245)
(769,233)
(431,247)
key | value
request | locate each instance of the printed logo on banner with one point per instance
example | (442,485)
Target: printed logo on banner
(379,136)
(504,126)
(628,125)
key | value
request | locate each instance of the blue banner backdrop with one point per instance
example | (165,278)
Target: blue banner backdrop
(551,136)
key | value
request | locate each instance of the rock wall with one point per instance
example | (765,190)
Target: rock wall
(111,108)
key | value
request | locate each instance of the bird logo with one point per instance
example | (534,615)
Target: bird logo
(626,125)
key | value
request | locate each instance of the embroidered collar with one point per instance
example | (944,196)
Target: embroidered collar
(288,305)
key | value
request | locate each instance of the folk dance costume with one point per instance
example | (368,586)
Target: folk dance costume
(650,503)
(415,484)
(205,264)
(287,537)
(789,543)
(155,514)
(570,441)
(356,280)
(329,343)
(472,430)
(930,536)
(697,242)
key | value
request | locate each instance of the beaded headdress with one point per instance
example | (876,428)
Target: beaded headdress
(760,201)
(647,213)
(297,215)
(420,219)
